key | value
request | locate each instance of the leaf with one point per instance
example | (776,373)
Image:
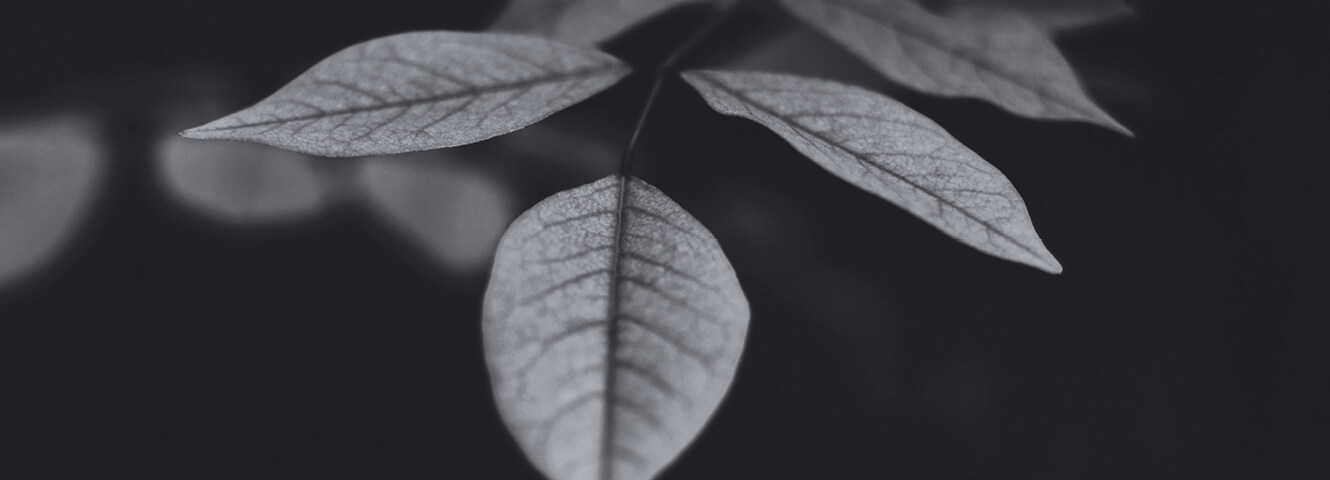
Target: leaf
(454,213)
(1004,59)
(241,182)
(1053,14)
(51,170)
(613,326)
(886,148)
(583,22)
(420,91)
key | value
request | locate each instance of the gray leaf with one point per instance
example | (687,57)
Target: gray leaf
(579,21)
(886,148)
(1053,14)
(51,169)
(420,91)
(1005,59)
(613,326)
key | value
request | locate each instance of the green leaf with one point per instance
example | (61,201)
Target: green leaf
(1005,59)
(886,148)
(420,91)
(582,22)
(51,170)
(613,326)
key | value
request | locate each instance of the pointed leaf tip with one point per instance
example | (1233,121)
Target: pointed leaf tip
(889,150)
(1003,58)
(420,91)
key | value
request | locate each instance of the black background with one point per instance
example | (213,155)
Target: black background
(1184,339)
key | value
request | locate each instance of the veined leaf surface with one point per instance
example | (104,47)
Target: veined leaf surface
(886,148)
(579,21)
(1008,60)
(420,91)
(613,326)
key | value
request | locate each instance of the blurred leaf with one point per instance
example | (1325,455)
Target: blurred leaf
(456,214)
(886,148)
(579,21)
(50,170)
(999,57)
(1052,14)
(242,182)
(613,326)
(420,91)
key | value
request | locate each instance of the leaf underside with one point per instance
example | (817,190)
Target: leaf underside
(886,148)
(420,91)
(613,325)
(1003,58)
(582,22)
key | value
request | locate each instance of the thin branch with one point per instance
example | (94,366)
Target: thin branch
(666,68)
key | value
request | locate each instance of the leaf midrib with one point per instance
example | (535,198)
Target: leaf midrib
(606,69)
(612,330)
(857,156)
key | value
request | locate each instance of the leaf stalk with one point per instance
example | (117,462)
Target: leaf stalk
(723,14)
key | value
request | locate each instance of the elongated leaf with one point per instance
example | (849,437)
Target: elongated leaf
(51,170)
(454,213)
(886,148)
(420,91)
(579,21)
(1004,59)
(613,326)
(1053,14)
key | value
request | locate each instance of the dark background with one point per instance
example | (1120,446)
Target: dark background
(1184,339)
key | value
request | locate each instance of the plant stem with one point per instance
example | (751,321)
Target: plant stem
(665,69)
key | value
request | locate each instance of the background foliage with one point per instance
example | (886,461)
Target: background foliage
(1183,340)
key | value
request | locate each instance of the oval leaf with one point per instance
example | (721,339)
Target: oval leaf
(886,148)
(51,170)
(420,91)
(613,326)
(1004,59)
(454,213)
(582,22)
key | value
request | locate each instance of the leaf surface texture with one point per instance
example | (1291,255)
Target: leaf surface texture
(613,325)
(1006,59)
(582,22)
(420,91)
(884,147)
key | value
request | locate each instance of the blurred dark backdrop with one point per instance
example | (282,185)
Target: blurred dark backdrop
(1183,341)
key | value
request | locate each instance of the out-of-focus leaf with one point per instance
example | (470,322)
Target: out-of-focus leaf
(50,170)
(1005,59)
(456,214)
(242,182)
(613,326)
(420,91)
(580,21)
(886,148)
(1053,14)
